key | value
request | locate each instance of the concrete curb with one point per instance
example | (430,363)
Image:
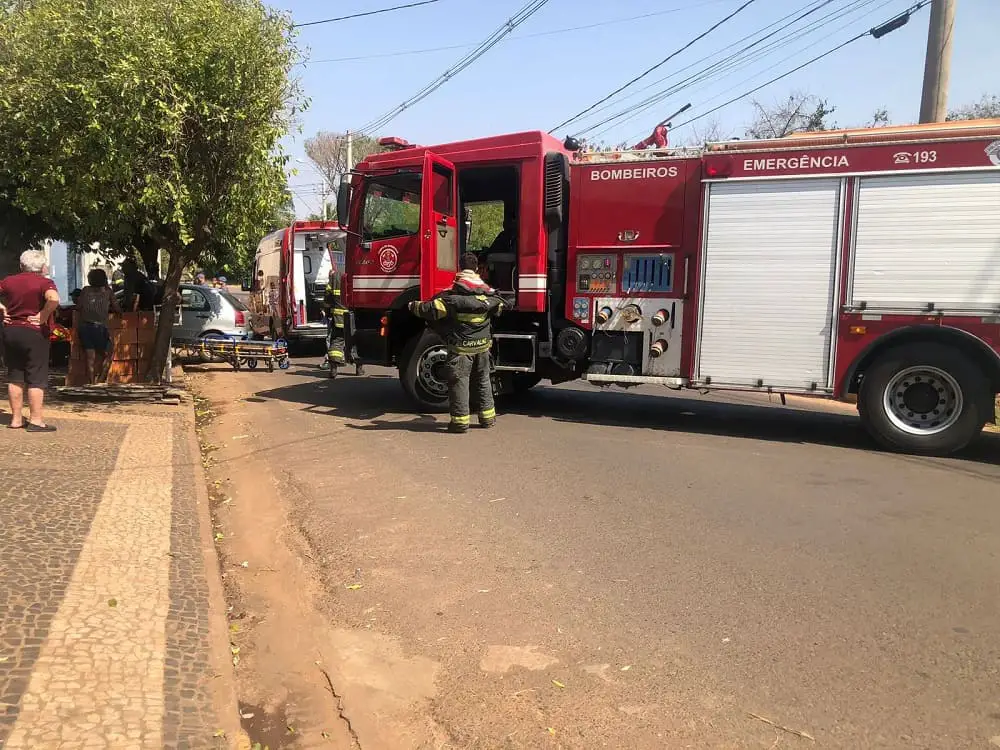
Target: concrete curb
(224,689)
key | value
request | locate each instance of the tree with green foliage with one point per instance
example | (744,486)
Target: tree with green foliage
(152,121)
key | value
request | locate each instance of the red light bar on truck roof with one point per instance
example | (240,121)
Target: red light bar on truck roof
(394,144)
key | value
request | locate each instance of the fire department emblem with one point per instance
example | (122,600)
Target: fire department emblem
(993,151)
(388,259)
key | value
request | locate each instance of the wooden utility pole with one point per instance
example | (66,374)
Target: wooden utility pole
(937,64)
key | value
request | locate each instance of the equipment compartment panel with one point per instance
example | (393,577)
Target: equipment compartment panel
(596,274)
(648,274)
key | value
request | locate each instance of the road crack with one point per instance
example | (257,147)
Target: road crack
(355,740)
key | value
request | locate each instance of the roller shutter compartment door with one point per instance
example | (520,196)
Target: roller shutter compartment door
(769,282)
(930,238)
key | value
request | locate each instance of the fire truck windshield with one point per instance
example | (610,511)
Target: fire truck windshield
(392,206)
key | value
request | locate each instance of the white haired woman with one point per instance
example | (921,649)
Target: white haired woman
(28,300)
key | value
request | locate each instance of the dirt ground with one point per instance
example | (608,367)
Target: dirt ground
(289,655)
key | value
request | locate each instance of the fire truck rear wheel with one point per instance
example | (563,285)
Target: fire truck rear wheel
(422,371)
(924,398)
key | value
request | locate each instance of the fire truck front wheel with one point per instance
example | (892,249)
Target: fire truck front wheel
(423,371)
(927,399)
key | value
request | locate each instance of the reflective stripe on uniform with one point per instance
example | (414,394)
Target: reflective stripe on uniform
(470,317)
(460,419)
(338,318)
(439,308)
(488,414)
(336,355)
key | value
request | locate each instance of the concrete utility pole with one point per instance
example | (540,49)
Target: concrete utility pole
(937,64)
(350,151)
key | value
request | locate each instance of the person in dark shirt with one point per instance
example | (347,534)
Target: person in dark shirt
(139,291)
(27,303)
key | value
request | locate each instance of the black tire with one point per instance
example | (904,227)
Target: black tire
(902,383)
(211,336)
(410,363)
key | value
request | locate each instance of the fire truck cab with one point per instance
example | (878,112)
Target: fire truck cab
(861,262)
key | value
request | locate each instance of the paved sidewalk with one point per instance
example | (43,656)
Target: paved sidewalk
(107,616)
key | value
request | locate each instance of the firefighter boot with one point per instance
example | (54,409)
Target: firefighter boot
(359,369)
(488,418)
(459,424)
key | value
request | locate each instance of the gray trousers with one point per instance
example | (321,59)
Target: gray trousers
(334,342)
(469,381)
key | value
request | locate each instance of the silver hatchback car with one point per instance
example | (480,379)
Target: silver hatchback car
(211,313)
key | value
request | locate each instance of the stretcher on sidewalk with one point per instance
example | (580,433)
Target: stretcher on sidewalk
(238,353)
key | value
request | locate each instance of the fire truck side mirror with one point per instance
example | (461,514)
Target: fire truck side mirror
(343,200)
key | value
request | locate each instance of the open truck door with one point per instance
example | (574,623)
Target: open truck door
(438,226)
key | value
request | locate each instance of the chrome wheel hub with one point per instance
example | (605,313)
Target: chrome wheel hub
(432,373)
(923,400)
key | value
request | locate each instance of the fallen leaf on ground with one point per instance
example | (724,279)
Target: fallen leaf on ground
(626,668)
(558,684)
(325,735)
(355,586)
(240,437)
(3,659)
(235,649)
(247,716)
(112,602)
(219,536)
(220,733)
(551,730)
(245,564)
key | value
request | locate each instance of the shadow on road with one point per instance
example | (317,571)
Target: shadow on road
(368,398)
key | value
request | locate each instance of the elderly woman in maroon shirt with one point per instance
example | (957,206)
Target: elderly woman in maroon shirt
(27,302)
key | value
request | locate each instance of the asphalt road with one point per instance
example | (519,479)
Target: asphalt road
(647,569)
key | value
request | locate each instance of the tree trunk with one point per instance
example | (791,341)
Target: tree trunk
(164,330)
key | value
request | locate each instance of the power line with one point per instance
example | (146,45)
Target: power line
(785,59)
(662,62)
(796,53)
(694,64)
(485,46)
(716,67)
(905,14)
(365,13)
(552,32)
(738,59)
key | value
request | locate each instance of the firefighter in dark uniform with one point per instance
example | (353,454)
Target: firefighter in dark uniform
(334,308)
(462,316)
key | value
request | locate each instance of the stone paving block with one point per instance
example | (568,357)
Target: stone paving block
(104,601)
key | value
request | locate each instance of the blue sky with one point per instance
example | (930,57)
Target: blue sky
(544,72)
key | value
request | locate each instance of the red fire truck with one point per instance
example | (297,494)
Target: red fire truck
(859,262)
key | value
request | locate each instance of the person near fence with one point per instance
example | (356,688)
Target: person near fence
(29,300)
(93,306)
